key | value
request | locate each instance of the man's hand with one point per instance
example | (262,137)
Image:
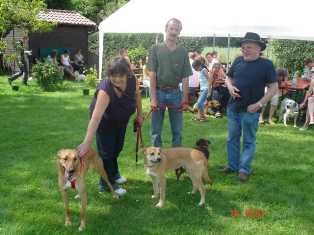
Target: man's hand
(139,119)
(253,108)
(154,104)
(234,92)
(184,105)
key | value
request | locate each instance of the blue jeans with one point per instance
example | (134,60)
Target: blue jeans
(201,99)
(238,123)
(170,99)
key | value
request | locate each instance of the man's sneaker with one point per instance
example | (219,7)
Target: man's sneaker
(120,191)
(121,180)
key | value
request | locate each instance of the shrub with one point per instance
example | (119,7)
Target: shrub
(137,53)
(49,76)
(91,77)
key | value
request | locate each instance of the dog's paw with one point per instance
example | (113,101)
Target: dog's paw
(81,228)
(154,196)
(77,196)
(201,204)
(295,126)
(160,205)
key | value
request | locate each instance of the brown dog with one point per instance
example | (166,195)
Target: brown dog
(72,173)
(201,145)
(158,161)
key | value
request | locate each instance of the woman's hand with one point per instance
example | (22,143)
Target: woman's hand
(83,149)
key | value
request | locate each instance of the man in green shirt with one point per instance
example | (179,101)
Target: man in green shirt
(169,65)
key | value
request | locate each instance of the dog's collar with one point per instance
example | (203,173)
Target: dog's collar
(70,183)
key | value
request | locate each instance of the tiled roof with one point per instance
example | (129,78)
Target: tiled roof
(65,17)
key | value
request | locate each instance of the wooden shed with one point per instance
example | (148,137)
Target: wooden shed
(71,33)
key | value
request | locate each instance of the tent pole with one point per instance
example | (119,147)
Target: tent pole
(228,53)
(214,41)
(156,39)
(100,53)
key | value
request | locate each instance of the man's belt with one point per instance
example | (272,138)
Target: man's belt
(167,88)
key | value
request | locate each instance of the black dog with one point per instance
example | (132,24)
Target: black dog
(201,145)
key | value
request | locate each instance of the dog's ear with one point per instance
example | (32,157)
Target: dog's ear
(143,150)
(60,153)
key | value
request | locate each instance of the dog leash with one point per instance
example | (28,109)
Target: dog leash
(139,136)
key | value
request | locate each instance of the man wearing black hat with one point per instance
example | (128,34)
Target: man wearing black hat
(247,78)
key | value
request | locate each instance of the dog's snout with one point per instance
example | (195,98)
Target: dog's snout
(71,172)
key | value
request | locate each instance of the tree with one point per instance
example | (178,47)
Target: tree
(291,54)
(59,4)
(21,14)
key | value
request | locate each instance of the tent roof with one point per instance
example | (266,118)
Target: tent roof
(275,19)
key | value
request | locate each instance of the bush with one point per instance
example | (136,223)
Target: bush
(91,77)
(137,53)
(291,54)
(49,76)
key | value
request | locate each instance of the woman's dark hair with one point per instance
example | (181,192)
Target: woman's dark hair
(282,73)
(119,66)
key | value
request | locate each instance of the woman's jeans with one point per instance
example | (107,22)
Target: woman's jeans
(170,99)
(239,123)
(110,142)
(201,99)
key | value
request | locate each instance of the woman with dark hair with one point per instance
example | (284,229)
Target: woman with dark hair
(115,100)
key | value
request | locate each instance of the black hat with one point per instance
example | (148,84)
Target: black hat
(254,37)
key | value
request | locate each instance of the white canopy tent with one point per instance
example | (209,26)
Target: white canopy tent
(225,18)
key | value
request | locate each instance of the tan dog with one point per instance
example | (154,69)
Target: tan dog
(72,173)
(158,161)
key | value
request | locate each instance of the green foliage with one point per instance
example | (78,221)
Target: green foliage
(194,43)
(48,76)
(291,54)
(137,53)
(22,14)
(3,45)
(91,77)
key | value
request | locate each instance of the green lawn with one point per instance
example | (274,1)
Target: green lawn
(35,125)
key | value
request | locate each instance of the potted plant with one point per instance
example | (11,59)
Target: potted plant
(90,80)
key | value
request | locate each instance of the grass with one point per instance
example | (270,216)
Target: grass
(35,125)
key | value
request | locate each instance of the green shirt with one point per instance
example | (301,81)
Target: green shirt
(170,66)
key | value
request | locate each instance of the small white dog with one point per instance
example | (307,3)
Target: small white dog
(288,109)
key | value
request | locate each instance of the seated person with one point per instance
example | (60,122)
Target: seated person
(66,63)
(309,97)
(220,94)
(52,58)
(78,63)
(282,76)
(307,72)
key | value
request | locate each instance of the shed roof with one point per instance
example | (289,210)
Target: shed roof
(65,17)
